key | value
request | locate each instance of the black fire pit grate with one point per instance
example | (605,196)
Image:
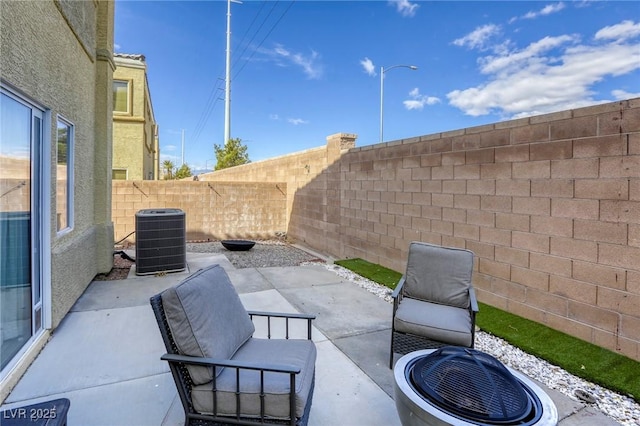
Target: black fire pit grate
(472,385)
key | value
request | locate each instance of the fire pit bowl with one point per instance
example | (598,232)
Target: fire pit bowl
(462,386)
(238,245)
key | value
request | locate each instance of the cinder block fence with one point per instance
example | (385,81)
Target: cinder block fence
(550,205)
(213,210)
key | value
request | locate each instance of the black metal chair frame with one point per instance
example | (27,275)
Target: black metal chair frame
(404,343)
(177,364)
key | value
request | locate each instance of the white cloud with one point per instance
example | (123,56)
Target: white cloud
(368,66)
(625,30)
(281,51)
(297,121)
(405,7)
(623,95)
(309,63)
(116,46)
(552,74)
(478,38)
(547,10)
(169,148)
(274,117)
(418,100)
(531,55)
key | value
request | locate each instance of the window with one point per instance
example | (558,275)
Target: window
(120,96)
(64,175)
(119,174)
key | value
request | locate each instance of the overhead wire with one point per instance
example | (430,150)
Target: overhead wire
(213,99)
(264,38)
(244,36)
(275,3)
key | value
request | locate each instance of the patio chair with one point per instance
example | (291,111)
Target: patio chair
(434,304)
(223,374)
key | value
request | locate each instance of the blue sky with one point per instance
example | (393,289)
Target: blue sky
(302,70)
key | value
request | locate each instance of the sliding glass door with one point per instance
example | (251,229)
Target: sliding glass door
(21,142)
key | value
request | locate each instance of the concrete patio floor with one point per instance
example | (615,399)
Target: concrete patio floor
(105,355)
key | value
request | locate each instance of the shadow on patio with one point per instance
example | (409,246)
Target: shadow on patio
(105,356)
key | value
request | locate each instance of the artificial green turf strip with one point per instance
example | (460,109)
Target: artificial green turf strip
(583,359)
(377,273)
(578,357)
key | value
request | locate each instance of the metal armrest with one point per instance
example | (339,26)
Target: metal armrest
(213,362)
(287,317)
(473,300)
(281,315)
(398,288)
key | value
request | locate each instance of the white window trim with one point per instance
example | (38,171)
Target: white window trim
(70,175)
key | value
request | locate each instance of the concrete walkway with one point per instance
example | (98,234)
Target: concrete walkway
(105,355)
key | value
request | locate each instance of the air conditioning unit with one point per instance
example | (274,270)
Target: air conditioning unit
(161,242)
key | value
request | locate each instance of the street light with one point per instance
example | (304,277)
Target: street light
(382,71)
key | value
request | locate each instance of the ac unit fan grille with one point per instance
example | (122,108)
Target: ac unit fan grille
(160,241)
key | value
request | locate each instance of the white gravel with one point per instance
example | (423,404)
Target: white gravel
(265,254)
(619,407)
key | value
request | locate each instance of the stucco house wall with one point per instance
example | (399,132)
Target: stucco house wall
(135,138)
(59,53)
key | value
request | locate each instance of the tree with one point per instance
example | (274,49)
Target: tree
(233,153)
(168,166)
(183,172)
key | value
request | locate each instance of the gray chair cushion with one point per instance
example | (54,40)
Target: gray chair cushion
(298,353)
(439,274)
(434,321)
(206,318)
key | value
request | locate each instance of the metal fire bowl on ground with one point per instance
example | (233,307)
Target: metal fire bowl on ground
(238,245)
(415,409)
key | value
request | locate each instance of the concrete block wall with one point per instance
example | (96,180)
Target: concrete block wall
(305,173)
(213,210)
(549,204)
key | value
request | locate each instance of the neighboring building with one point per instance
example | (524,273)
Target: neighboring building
(136,151)
(56,231)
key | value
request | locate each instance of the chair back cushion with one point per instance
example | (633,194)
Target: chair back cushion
(439,274)
(206,318)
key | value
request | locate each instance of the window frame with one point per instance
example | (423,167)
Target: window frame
(70,196)
(41,162)
(129,84)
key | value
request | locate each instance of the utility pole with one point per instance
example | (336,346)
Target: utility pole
(182,148)
(227,85)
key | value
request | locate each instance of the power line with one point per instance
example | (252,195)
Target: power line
(265,38)
(244,36)
(213,98)
(256,32)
